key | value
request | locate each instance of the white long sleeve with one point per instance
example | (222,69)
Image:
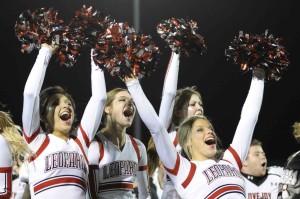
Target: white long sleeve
(249,115)
(165,147)
(169,90)
(93,112)
(31,113)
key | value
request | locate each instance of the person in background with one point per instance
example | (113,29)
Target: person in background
(12,146)
(261,181)
(289,186)
(59,167)
(192,171)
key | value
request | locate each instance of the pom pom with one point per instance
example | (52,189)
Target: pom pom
(181,36)
(121,52)
(263,51)
(44,26)
(83,30)
(40,26)
(91,24)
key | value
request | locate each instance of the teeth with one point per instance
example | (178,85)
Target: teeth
(210,141)
(65,116)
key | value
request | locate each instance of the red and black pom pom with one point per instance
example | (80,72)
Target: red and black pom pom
(181,36)
(44,26)
(121,52)
(40,26)
(263,51)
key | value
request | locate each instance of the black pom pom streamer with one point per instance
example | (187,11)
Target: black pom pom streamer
(40,26)
(91,24)
(263,51)
(121,52)
(181,36)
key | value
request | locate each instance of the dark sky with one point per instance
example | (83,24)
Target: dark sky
(222,85)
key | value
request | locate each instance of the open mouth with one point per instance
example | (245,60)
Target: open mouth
(128,113)
(210,141)
(65,116)
(263,164)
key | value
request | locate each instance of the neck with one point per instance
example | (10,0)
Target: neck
(258,180)
(61,135)
(115,134)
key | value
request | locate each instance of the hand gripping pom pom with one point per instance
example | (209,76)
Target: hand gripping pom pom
(122,52)
(181,36)
(263,51)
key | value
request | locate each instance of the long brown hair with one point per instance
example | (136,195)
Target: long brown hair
(152,156)
(12,134)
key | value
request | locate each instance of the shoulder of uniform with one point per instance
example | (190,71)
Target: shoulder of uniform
(275,170)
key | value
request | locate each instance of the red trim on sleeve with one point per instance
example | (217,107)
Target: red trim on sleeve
(7,189)
(80,146)
(136,147)
(5,169)
(190,176)
(85,137)
(32,137)
(236,157)
(143,168)
(175,142)
(176,167)
(101,148)
(40,150)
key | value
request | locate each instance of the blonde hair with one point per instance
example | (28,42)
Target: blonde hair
(184,134)
(296,131)
(11,133)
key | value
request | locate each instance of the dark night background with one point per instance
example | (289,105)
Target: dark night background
(222,85)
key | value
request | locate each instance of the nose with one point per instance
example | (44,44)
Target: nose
(200,108)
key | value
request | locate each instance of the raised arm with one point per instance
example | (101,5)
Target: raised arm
(169,90)
(249,116)
(31,112)
(93,112)
(164,146)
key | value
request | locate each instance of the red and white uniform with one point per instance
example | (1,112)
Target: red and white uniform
(265,187)
(60,168)
(206,179)
(5,169)
(113,171)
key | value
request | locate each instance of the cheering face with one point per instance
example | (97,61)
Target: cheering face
(256,161)
(203,140)
(122,109)
(63,117)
